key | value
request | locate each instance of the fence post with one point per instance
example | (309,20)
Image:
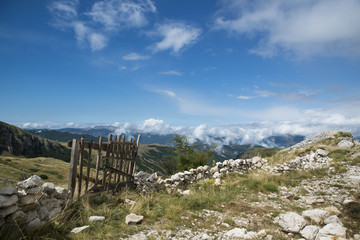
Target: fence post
(73,167)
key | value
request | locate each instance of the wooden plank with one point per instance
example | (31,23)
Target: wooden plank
(98,159)
(112,157)
(106,160)
(86,178)
(88,167)
(81,161)
(95,146)
(115,186)
(73,167)
(110,169)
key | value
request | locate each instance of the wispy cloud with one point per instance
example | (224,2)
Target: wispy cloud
(135,56)
(284,84)
(245,97)
(175,36)
(302,28)
(171,72)
(95,28)
(116,14)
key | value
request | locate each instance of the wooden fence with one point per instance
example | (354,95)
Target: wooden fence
(114,169)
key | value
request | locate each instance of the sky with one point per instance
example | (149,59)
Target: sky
(216,66)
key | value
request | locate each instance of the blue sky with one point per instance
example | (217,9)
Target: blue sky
(181,63)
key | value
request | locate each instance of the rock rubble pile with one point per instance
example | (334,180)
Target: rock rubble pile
(31,202)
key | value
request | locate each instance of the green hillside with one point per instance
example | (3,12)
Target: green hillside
(63,136)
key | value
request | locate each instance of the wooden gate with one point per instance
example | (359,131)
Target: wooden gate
(114,167)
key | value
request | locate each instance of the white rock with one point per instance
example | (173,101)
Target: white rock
(291,222)
(8,191)
(33,181)
(6,201)
(333,219)
(96,218)
(130,202)
(61,193)
(315,215)
(332,210)
(357,236)
(79,229)
(322,152)
(133,219)
(225,225)
(214,170)
(346,144)
(331,230)
(8,210)
(261,233)
(309,232)
(216,175)
(217,182)
(186,192)
(50,203)
(236,233)
(175,177)
(48,188)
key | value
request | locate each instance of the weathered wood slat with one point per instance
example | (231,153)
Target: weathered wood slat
(88,167)
(95,146)
(73,166)
(110,169)
(81,160)
(98,159)
(86,178)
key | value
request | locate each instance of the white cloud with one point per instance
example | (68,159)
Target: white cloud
(255,133)
(303,28)
(176,36)
(116,14)
(97,41)
(245,97)
(94,28)
(135,56)
(171,72)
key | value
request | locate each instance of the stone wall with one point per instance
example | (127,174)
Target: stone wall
(145,182)
(31,203)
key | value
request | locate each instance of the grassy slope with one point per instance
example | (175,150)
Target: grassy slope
(238,195)
(16,169)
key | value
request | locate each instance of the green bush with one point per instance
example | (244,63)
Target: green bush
(43,176)
(187,156)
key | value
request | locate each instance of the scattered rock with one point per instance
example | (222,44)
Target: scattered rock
(291,222)
(331,230)
(217,182)
(315,215)
(130,202)
(96,218)
(236,233)
(346,144)
(333,219)
(133,219)
(61,193)
(79,229)
(309,232)
(332,210)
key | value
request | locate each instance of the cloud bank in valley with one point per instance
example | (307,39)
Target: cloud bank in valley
(253,133)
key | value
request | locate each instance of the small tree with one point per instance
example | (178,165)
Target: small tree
(187,156)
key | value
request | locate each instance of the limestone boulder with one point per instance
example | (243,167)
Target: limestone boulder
(6,201)
(8,191)
(309,232)
(61,193)
(291,222)
(96,218)
(31,182)
(29,199)
(346,144)
(133,219)
(331,231)
(316,216)
(48,188)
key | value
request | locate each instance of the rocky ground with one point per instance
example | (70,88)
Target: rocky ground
(258,216)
